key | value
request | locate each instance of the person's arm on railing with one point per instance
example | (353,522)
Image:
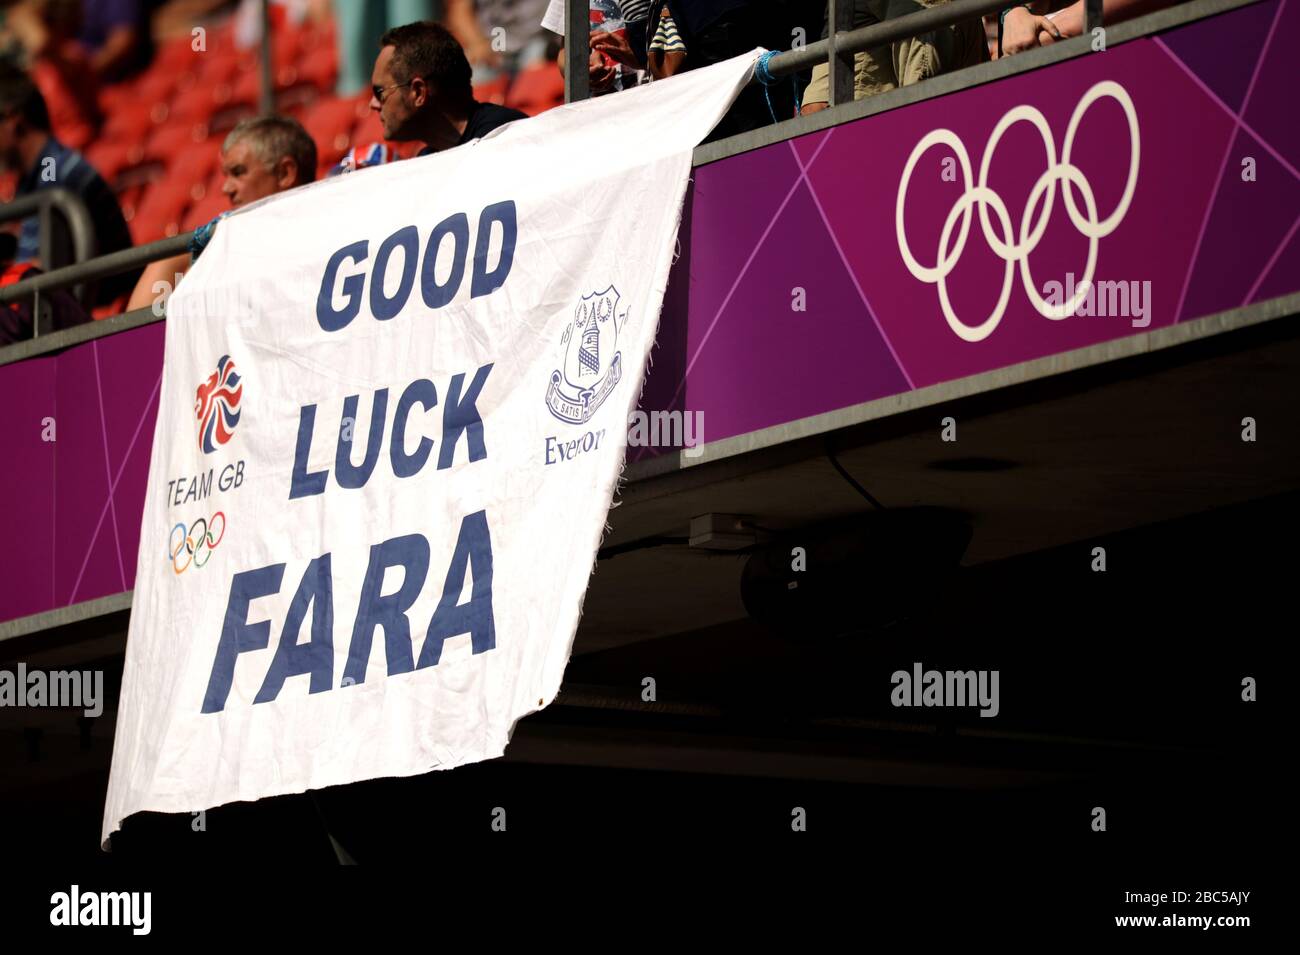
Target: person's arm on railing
(1020,26)
(165,271)
(1023,29)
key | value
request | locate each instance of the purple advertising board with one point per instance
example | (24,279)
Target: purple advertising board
(1106,196)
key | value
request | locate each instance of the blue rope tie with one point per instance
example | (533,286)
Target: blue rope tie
(763,73)
(203,235)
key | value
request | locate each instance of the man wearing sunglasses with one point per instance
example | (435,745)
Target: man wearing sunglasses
(420,87)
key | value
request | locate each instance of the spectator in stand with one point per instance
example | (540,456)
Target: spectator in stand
(520,44)
(284,16)
(667,52)
(909,61)
(618,42)
(688,34)
(39,37)
(176,18)
(421,89)
(1029,25)
(259,158)
(115,35)
(16,317)
(43,162)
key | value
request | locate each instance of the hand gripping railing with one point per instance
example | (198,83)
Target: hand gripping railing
(842,42)
(838,49)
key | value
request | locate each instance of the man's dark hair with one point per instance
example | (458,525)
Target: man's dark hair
(18,94)
(428,51)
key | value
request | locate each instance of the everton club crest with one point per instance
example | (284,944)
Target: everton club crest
(592,363)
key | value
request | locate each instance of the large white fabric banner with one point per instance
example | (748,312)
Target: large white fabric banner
(393,414)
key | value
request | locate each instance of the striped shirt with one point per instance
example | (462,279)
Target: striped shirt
(632,11)
(666,37)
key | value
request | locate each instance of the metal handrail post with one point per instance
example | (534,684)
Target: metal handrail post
(839,21)
(1093,16)
(43,203)
(577,50)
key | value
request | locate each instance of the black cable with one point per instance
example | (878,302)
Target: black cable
(830,453)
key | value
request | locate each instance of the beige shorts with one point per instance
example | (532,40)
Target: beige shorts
(884,68)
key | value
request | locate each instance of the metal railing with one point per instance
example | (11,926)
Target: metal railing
(839,47)
(112,264)
(56,246)
(838,50)
(577,37)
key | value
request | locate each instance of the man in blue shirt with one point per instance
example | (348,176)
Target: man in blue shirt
(45,163)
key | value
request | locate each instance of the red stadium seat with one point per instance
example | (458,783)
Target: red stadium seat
(176,55)
(494,92)
(247,88)
(537,89)
(220,37)
(115,307)
(71,104)
(131,122)
(160,211)
(286,44)
(223,67)
(200,213)
(203,102)
(196,161)
(109,157)
(161,142)
(156,88)
(330,123)
(367,130)
(226,118)
(166,142)
(320,68)
(129,201)
(113,97)
(197,104)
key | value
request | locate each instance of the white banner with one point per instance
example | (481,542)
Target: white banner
(393,413)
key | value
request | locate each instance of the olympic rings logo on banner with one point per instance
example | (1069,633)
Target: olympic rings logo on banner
(195,544)
(1044,190)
